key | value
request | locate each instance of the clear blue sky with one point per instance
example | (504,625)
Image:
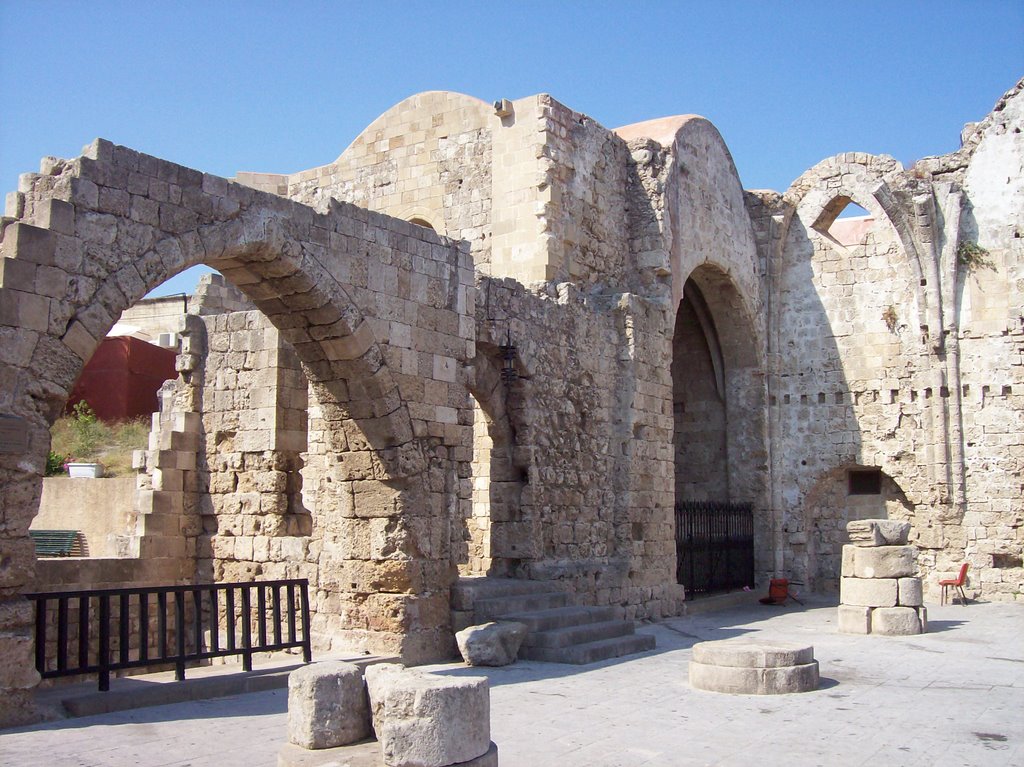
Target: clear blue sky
(283,86)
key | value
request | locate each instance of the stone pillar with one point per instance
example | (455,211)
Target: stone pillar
(880,592)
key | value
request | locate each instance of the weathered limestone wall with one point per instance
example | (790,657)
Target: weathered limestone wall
(254,404)
(590,415)
(85,239)
(428,158)
(992,366)
(98,508)
(899,354)
(585,212)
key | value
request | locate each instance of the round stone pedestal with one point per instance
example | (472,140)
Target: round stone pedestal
(749,667)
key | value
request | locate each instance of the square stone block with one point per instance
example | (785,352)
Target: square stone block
(327,705)
(424,720)
(868,592)
(895,621)
(922,615)
(854,619)
(909,592)
(885,562)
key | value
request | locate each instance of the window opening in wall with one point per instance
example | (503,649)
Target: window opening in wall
(844,222)
(864,482)
(422,222)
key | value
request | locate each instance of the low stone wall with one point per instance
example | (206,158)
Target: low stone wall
(98,508)
(74,573)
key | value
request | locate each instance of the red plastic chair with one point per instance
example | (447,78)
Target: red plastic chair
(957,583)
(778,592)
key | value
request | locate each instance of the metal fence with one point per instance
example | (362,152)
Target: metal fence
(714,546)
(98,631)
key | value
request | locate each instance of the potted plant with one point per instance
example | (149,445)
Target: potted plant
(88,435)
(78,469)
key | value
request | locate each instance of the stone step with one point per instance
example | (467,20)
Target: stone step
(499,607)
(467,590)
(562,617)
(590,652)
(582,634)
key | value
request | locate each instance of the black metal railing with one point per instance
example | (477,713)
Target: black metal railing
(98,631)
(714,546)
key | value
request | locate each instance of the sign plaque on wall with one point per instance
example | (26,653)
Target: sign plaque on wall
(13,434)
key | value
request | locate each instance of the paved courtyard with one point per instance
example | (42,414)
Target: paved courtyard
(954,696)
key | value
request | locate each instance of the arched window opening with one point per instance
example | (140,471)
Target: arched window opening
(844,222)
(422,222)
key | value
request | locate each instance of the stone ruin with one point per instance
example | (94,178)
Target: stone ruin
(510,345)
(395,717)
(881,593)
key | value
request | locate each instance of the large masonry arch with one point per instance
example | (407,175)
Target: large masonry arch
(347,289)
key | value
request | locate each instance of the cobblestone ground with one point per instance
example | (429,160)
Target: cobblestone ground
(951,697)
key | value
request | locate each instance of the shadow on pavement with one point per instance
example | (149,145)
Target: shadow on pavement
(267,703)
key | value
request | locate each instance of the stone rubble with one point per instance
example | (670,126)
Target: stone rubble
(491,644)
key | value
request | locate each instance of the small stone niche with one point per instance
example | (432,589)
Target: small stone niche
(880,592)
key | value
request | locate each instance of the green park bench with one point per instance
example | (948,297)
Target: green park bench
(54,543)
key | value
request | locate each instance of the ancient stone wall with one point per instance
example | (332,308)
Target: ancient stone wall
(584,219)
(427,159)
(898,351)
(589,415)
(373,307)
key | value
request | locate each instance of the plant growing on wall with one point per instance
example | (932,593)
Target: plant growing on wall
(55,464)
(88,433)
(972,257)
(890,318)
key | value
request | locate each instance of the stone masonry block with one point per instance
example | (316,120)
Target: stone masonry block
(878,532)
(868,592)
(910,592)
(17,274)
(29,243)
(327,705)
(895,621)
(847,561)
(58,216)
(424,720)
(884,562)
(854,619)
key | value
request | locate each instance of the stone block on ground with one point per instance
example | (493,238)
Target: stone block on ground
(491,644)
(327,705)
(878,532)
(753,668)
(854,619)
(895,621)
(427,720)
(868,592)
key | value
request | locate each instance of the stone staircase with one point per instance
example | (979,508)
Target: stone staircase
(559,632)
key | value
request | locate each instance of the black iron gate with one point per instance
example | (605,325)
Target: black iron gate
(714,546)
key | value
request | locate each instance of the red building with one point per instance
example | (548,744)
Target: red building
(123,377)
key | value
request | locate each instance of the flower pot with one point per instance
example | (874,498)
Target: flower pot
(89,470)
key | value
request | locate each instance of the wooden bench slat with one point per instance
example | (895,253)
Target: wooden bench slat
(54,542)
